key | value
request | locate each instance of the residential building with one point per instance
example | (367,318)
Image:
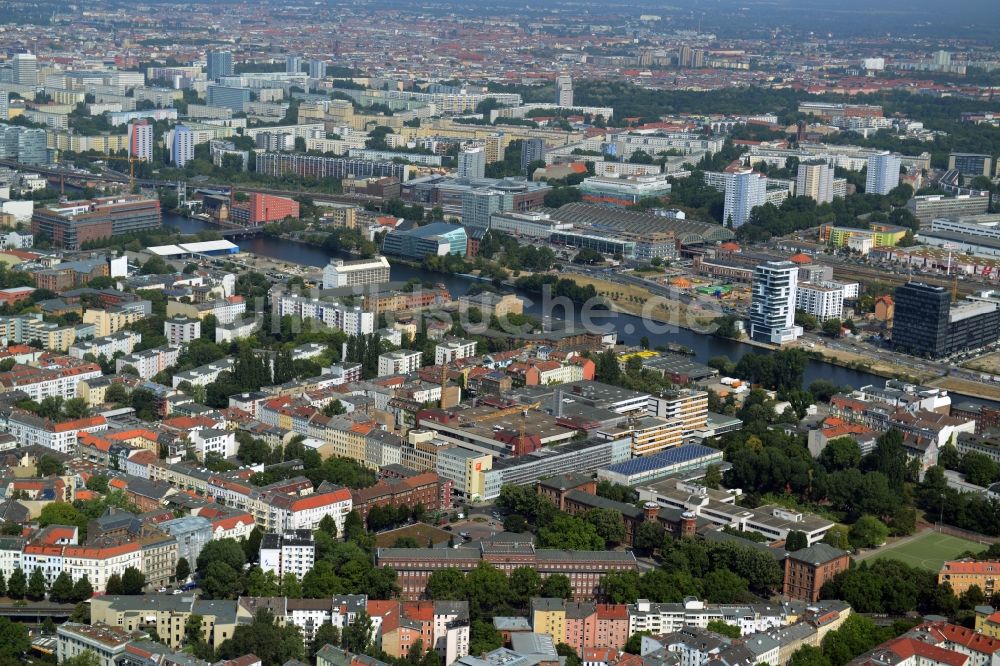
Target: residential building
(822,302)
(399,362)
(31,430)
(214,441)
(140,140)
(814,179)
(963,574)
(883,173)
(24,68)
(450,351)
(532,150)
(772,305)
(181,146)
(292,552)
(564,90)
(149,362)
(745,190)
(179,331)
(106,642)
(472,163)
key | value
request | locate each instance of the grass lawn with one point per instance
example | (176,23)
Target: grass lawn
(929,550)
(422,532)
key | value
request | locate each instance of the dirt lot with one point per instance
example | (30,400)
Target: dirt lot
(631,298)
(478,527)
(422,532)
(989,363)
(988,391)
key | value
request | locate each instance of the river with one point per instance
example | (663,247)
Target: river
(630,328)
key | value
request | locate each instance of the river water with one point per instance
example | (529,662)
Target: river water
(630,328)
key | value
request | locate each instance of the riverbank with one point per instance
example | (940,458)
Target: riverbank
(967,388)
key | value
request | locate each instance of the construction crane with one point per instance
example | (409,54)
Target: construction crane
(510,411)
(131,159)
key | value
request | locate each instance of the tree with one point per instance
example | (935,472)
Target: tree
(272,644)
(572,658)
(979,469)
(620,587)
(868,532)
(515,522)
(721,627)
(36,585)
(133,581)
(725,587)
(648,537)
(183,570)
(116,393)
(608,523)
(327,634)
(113,585)
(82,590)
(354,527)
(75,408)
(261,584)
(224,551)
(832,328)
(713,477)
(14,641)
(193,628)
(557,586)
(290,586)
(634,643)
(220,581)
(807,655)
(62,513)
(251,545)
(856,635)
(571,533)
(62,589)
(840,453)
(17,584)
(328,526)
(525,583)
(483,637)
(796,541)
(357,636)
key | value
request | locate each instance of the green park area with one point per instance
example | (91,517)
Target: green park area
(929,550)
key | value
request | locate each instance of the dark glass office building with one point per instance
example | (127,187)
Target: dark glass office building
(927,324)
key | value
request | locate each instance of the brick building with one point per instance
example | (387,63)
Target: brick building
(585,569)
(260,209)
(808,569)
(426,488)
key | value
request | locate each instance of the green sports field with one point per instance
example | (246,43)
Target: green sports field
(929,550)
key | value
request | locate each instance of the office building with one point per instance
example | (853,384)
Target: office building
(971,164)
(140,140)
(293,64)
(926,323)
(219,63)
(929,207)
(808,569)
(532,150)
(340,273)
(883,173)
(317,69)
(25,69)
(564,90)
(772,304)
(260,209)
(181,146)
(472,163)
(815,180)
(435,239)
(745,190)
(228,97)
(32,146)
(73,223)
(478,206)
